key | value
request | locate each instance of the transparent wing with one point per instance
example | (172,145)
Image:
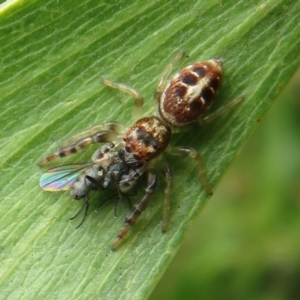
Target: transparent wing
(63,177)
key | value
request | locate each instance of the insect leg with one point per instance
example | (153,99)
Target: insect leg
(138,209)
(119,195)
(139,100)
(164,77)
(86,203)
(85,206)
(212,116)
(167,199)
(180,151)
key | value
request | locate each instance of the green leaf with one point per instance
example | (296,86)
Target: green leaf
(52,57)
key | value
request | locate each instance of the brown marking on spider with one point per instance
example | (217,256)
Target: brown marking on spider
(147,138)
(190,93)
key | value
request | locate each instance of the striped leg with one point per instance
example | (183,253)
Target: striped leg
(137,210)
(112,133)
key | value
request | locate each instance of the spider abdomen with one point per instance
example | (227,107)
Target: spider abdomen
(190,93)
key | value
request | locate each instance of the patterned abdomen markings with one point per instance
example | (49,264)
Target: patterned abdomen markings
(190,93)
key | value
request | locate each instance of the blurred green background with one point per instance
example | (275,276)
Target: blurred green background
(246,242)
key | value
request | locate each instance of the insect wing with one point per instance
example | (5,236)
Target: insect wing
(63,177)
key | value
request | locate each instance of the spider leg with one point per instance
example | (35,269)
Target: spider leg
(180,151)
(138,209)
(167,199)
(111,134)
(139,100)
(165,75)
(212,116)
(107,126)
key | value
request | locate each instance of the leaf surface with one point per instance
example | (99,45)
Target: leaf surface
(52,57)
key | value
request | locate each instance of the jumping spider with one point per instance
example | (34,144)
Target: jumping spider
(132,152)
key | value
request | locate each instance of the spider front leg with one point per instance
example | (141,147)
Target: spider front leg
(137,210)
(139,100)
(112,133)
(180,151)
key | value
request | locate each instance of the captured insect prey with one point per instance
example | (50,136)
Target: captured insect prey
(135,152)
